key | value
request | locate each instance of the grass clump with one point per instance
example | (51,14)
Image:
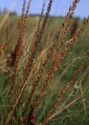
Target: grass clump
(44,74)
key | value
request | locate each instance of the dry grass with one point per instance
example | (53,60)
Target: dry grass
(32,70)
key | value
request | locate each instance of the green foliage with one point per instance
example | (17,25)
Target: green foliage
(75,115)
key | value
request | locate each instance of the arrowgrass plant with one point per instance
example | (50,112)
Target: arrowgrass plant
(41,83)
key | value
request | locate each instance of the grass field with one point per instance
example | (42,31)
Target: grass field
(73,108)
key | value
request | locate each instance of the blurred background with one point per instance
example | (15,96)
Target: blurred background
(60,7)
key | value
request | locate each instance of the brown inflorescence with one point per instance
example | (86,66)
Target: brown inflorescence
(59,57)
(61,51)
(37,40)
(64,28)
(2,49)
(30,59)
(15,56)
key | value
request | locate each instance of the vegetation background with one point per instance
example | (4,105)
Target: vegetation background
(40,85)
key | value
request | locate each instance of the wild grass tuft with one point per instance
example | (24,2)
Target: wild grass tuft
(44,75)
